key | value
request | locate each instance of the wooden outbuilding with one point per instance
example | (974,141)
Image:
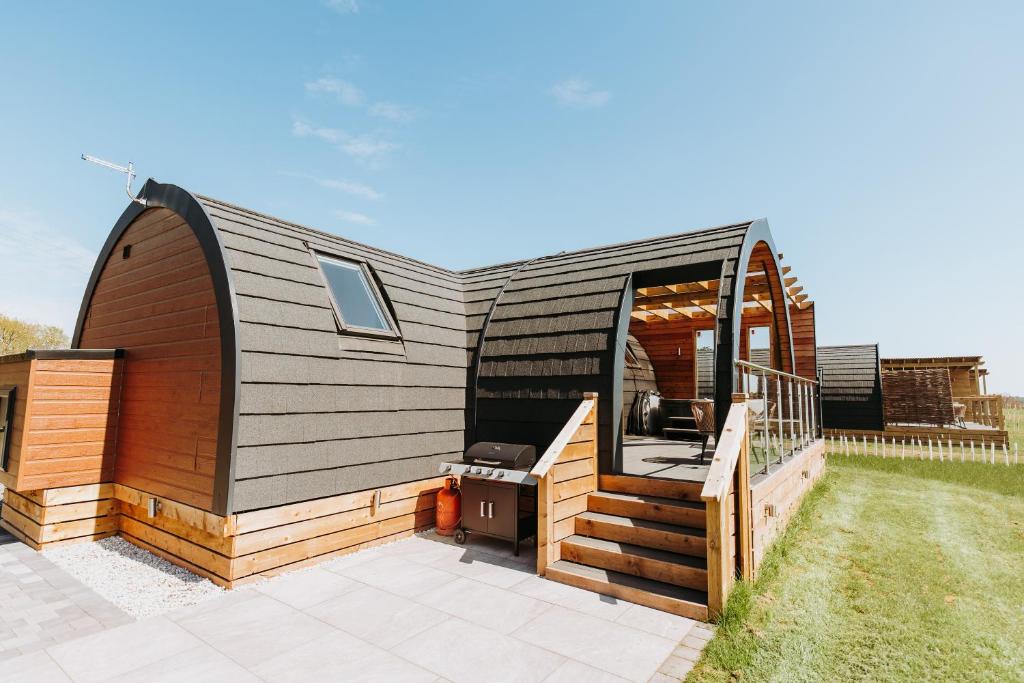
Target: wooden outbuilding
(937,398)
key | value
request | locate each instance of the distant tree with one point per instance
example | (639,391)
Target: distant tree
(16,336)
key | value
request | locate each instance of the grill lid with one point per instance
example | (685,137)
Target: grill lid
(495,454)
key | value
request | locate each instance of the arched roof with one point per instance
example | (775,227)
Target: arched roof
(557,326)
(478,347)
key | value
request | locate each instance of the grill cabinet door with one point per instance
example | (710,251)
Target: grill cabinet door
(474,504)
(502,510)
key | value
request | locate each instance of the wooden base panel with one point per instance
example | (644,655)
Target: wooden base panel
(227,550)
(776,498)
(71,515)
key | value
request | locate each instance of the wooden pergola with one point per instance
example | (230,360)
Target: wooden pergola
(699,300)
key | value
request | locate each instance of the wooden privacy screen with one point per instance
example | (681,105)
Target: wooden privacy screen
(917,396)
(566,475)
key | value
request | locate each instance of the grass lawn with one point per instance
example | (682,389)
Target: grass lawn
(891,570)
(1015,426)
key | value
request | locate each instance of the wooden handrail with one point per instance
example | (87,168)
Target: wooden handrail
(729,473)
(986,409)
(575,445)
(727,454)
(550,457)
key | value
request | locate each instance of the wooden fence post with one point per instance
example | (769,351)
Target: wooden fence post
(744,515)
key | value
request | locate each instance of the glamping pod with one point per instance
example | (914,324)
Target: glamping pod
(851,387)
(266,395)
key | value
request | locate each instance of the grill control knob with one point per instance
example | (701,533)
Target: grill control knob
(447,468)
(499,474)
(476,470)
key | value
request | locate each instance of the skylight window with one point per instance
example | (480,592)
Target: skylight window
(356,299)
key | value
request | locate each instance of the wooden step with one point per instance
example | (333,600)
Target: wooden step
(648,563)
(670,537)
(685,602)
(650,486)
(681,433)
(653,508)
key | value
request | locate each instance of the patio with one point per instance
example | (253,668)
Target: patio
(416,610)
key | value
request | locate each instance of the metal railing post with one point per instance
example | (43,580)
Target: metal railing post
(778,403)
(800,411)
(764,416)
(790,417)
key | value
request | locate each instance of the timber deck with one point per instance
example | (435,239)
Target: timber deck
(665,459)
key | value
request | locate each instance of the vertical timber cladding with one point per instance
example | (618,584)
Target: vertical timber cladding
(555,334)
(323,413)
(155,299)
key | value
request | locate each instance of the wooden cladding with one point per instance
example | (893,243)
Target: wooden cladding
(43,519)
(917,397)
(64,419)
(671,348)
(155,299)
(780,495)
(805,342)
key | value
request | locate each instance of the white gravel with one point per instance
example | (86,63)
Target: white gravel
(137,581)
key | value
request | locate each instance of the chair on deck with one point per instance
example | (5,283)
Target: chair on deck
(704,416)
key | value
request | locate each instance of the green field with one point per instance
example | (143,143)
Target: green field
(1015,426)
(891,570)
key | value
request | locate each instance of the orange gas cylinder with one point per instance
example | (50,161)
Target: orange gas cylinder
(448,511)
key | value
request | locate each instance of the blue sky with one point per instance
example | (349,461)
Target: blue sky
(883,141)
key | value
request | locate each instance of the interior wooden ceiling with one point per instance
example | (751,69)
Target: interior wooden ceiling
(696,300)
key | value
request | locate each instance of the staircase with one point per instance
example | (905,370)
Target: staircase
(677,420)
(642,540)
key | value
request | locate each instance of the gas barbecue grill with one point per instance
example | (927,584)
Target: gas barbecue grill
(497,491)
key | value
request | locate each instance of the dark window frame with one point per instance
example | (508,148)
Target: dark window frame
(377,293)
(10,392)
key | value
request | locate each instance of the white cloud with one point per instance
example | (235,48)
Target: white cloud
(303,130)
(366,147)
(354,217)
(346,92)
(343,6)
(44,271)
(575,92)
(392,111)
(347,186)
